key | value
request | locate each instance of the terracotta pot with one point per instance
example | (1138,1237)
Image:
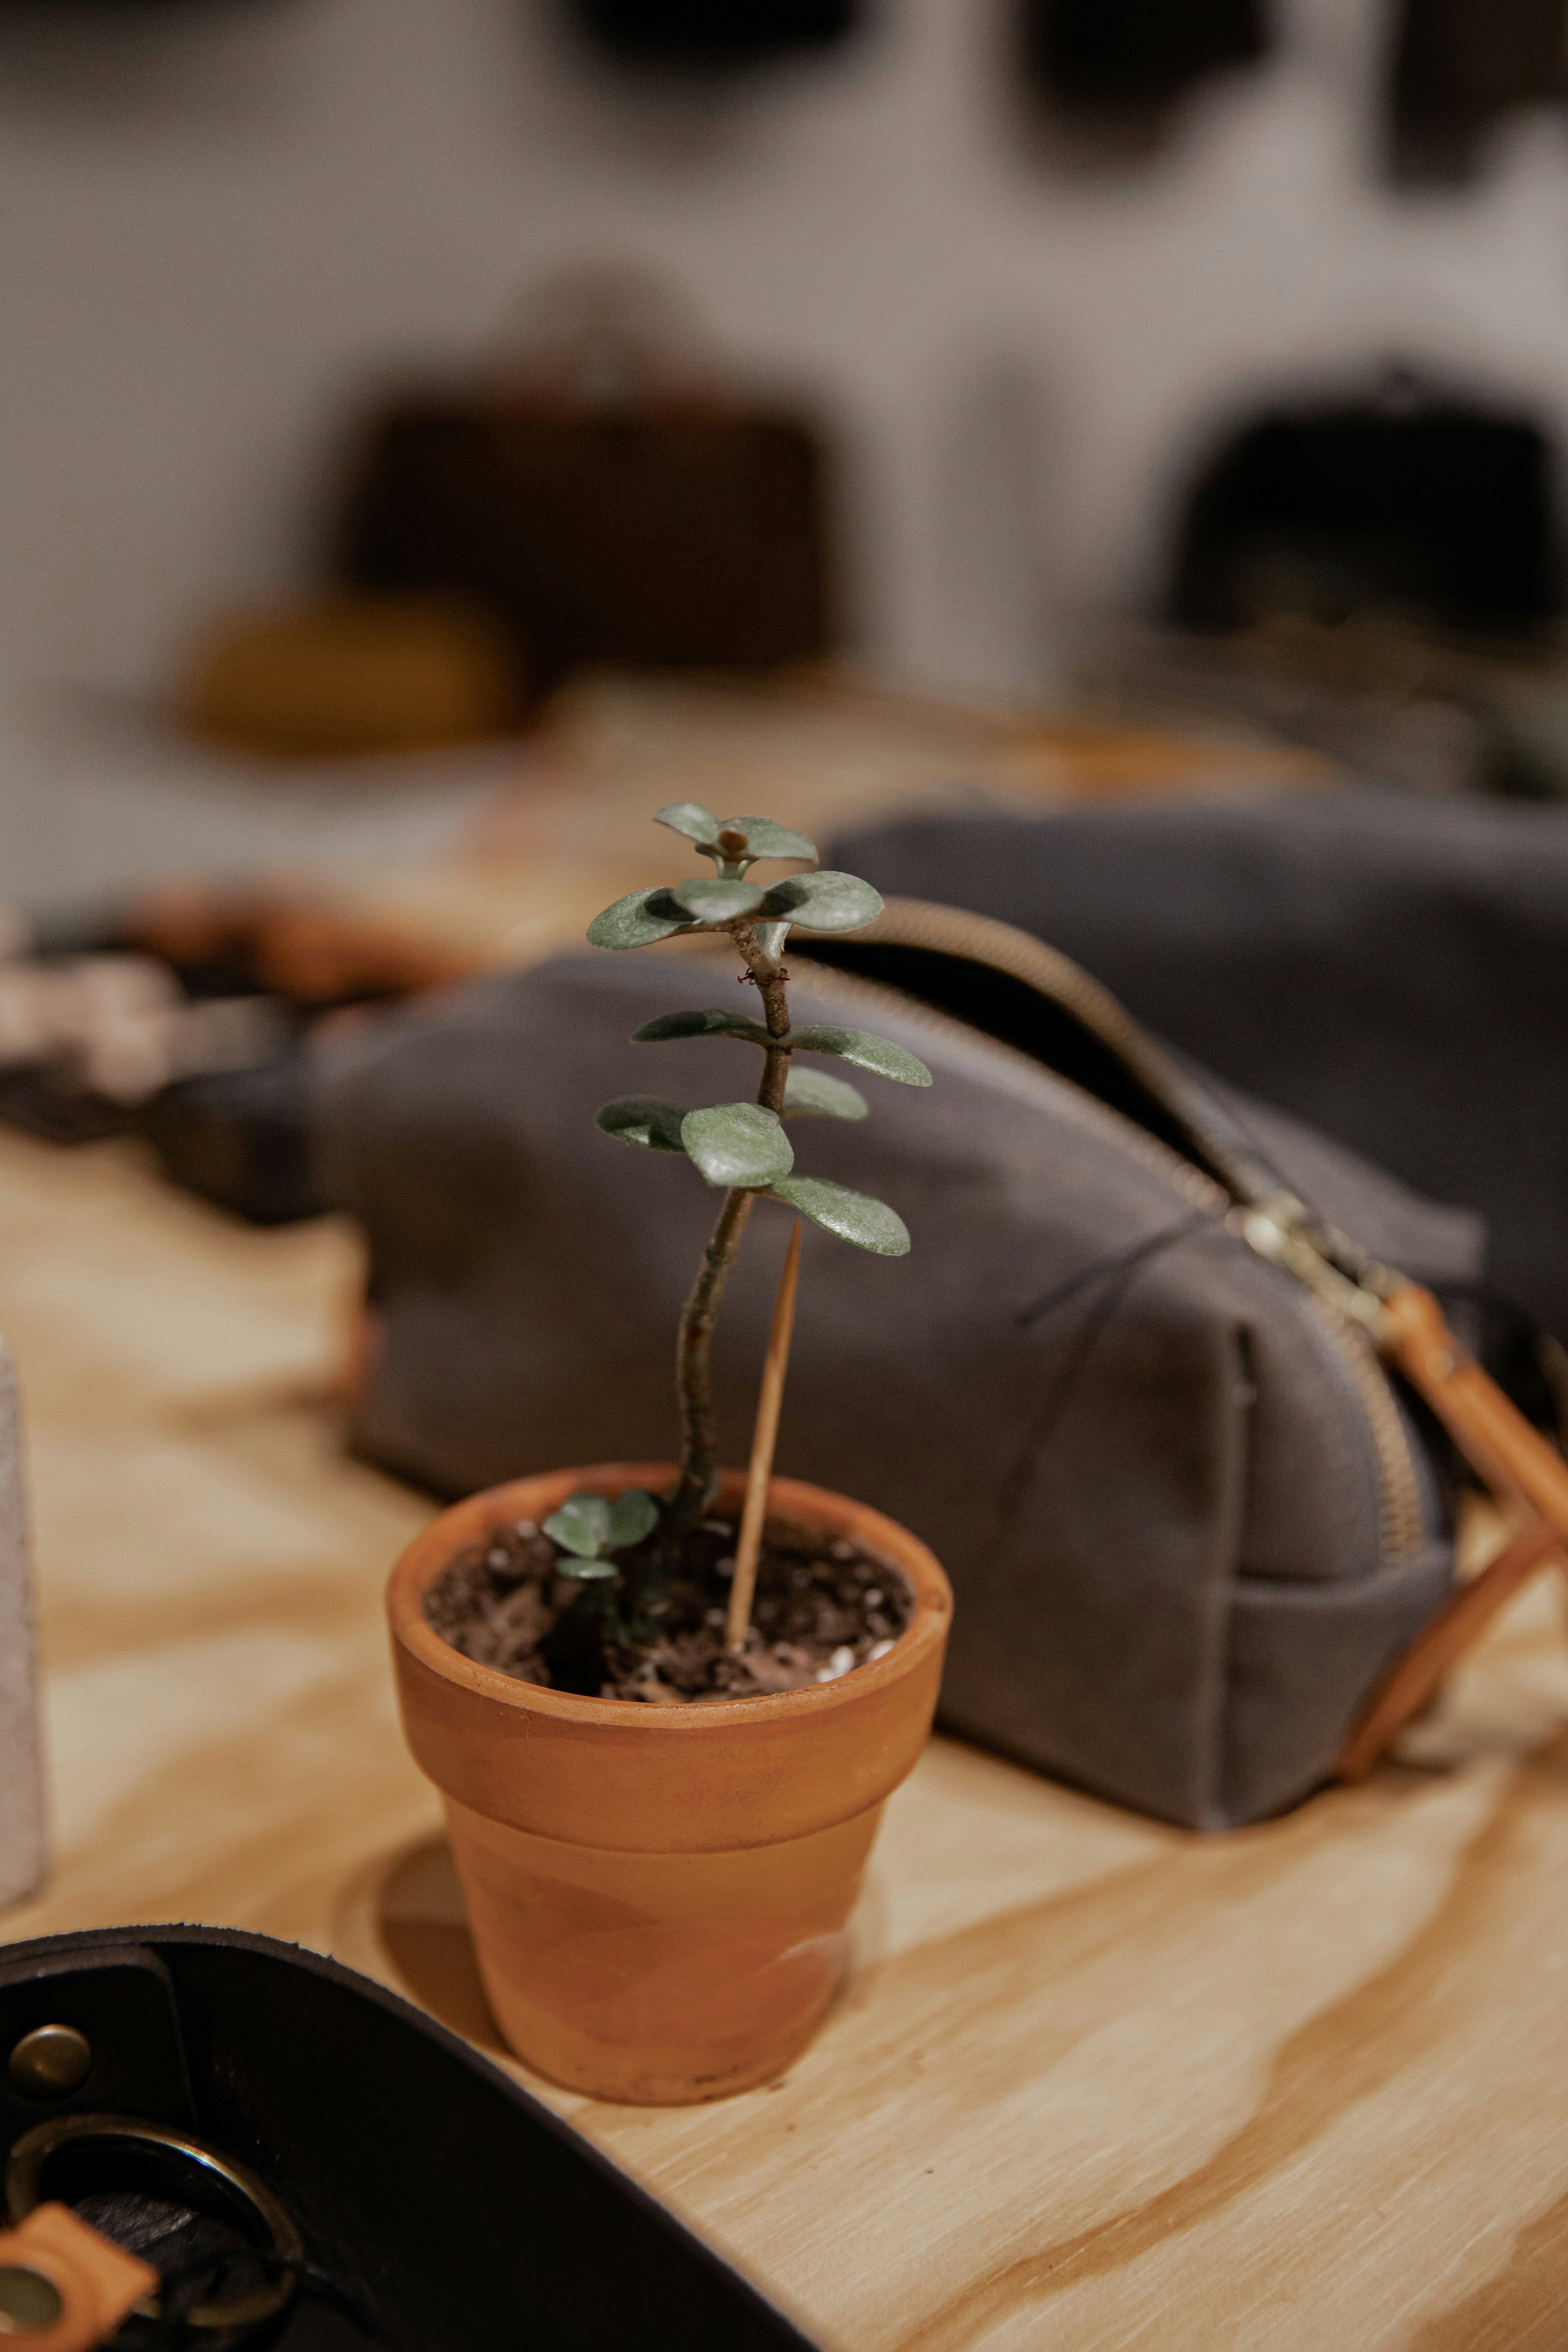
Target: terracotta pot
(658,1895)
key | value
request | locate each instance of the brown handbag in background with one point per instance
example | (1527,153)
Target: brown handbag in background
(610,493)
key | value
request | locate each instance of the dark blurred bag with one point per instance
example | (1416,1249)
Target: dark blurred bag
(716,31)
(611,495)
(1457,67)
(1102,59)
(1189,1521)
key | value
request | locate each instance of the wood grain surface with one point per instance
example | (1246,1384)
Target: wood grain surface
(825,752)
(1095,2082)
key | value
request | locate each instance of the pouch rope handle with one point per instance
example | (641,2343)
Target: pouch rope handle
(1526,1474)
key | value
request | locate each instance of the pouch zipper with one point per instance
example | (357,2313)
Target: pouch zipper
(1346,1286)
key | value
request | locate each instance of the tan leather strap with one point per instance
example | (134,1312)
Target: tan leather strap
(1402,1695)
(1522,1470)
(63,2288)
(1515,1460)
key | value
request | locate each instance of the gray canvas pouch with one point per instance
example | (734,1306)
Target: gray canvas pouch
(1189,1521)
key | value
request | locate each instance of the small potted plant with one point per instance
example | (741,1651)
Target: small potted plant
(665,1704)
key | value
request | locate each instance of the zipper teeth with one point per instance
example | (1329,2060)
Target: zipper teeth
(913,922)
(1401,1519)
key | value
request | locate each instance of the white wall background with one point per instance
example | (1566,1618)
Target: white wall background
(216,228)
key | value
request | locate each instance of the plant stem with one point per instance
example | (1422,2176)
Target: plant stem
(693,1371)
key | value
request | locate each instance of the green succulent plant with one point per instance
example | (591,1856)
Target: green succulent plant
(740,1148)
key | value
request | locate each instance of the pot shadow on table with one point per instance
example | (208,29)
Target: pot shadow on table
(420,1925)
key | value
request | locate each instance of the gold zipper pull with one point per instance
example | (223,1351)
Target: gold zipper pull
(1281,1229)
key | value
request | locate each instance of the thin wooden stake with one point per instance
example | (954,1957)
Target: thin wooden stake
(764,1437)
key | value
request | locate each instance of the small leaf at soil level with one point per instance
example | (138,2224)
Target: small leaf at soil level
(865,1049)
(690,818)
(582,1524)
(636,1514)
(717,902)
(853,1217)
(642,1118)
(637,921)
(812,1094)
(712,1024)
(586,1571)
(766,839)
(737,1144)
(823,902)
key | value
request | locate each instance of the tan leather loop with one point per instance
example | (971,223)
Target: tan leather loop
(87,2284)
(1525,1473)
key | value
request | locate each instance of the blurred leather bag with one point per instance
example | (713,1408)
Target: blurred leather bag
(1192,1524)
(608,492)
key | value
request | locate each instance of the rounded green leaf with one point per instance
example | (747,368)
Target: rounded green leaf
(581,1526)
(713,1023)
(853,1217)
(812,1094)
(636,1514)
(737,1144)
(823,902)
(638,919)
(586,1571)
(766,839)
(717,902)
(690,818)
(864,1048)
(642,1118)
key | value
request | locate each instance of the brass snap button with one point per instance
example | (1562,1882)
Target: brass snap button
(50,2062)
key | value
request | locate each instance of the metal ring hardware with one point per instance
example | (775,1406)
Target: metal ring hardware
(24,2192)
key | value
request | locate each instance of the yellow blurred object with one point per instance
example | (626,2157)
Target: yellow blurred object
(355,674)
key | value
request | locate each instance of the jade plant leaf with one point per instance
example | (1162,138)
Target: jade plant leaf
(865,1049)
(582,1524)
(853,1217)
(812,1094)
(823,902)
(766,839)
(586,1571)
(638,919)
(717,902)
(636,1514)
(690,817)
(738,1144)
(642,1118)
(714,1023)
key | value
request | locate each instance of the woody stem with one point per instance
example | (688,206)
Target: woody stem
(693,1371)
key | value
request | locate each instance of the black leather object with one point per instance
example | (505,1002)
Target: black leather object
(445,2206)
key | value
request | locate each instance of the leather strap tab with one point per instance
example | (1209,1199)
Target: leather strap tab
(1525,1473)
(1403,1694)
(1514,1459)
(65,2287)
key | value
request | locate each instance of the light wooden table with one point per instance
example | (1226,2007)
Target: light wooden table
(1094,2082)
(825,753)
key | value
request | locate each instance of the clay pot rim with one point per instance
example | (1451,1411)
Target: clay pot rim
(788,1498)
